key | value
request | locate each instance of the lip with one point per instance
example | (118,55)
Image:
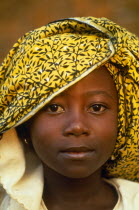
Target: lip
(77,153)
(77,149)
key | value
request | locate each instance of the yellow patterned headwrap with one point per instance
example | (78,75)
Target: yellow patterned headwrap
(48,60)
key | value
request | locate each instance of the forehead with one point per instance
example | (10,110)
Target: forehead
(98,82)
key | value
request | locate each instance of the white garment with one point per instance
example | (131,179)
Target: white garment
(128,194)
(21,179)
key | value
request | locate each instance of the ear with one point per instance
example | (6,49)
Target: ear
(23,132)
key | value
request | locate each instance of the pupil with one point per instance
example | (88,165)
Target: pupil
(54,107)
(96,107)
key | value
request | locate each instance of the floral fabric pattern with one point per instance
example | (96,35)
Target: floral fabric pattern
(48,60)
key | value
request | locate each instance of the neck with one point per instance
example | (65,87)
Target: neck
(59,188)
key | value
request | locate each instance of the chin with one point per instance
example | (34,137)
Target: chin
(76,174)
(73,172)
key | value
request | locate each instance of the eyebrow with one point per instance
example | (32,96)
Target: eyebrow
(91,93)
(99,92)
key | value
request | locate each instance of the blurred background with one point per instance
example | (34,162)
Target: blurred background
(20,16)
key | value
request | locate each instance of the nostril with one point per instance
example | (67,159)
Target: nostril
(76,130)
(77,134)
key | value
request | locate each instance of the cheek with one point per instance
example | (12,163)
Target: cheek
(41,128)
(109,129)
(43,148)
(42,134)
(107,132)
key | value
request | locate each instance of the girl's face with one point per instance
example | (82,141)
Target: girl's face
(75,133)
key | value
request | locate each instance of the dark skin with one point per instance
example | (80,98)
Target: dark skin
(74,135)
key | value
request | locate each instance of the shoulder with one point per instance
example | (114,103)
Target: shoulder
(128,192)
(126,185)
(6,202)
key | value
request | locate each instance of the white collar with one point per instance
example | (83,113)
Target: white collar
(21,172)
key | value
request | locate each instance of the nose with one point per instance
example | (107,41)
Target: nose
(76,125)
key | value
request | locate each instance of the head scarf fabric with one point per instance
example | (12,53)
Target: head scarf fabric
(48,60)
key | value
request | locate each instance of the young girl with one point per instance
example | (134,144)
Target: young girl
(71,90)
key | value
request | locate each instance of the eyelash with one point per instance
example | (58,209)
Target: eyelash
(101,108)
(54,107)
(57,109)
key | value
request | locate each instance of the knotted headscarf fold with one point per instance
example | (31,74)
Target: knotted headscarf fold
(48,60)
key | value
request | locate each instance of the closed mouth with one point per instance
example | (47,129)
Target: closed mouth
(79,149)
(77,153)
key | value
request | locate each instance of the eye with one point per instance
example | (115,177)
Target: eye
(97,108)
(53,108)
